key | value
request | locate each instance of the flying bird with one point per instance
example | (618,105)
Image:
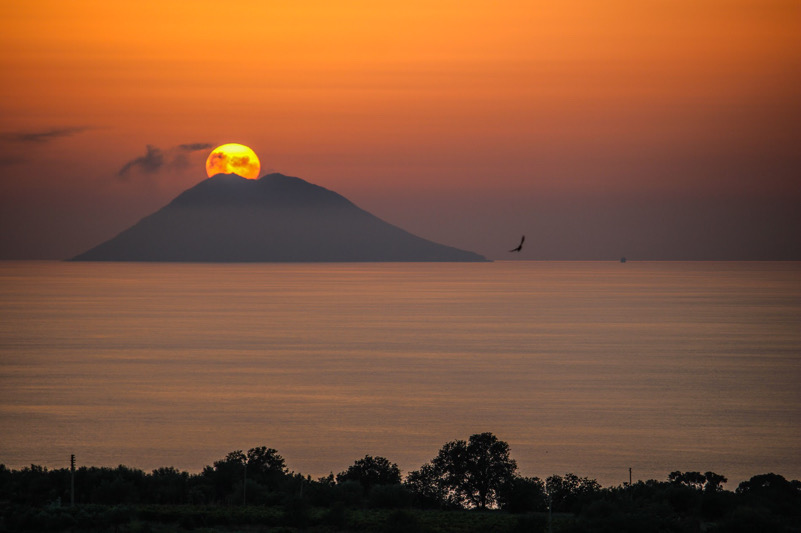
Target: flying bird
(519,246)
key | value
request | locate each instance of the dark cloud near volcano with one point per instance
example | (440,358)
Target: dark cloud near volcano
(40,137)
(194,147)
(149,163)
(179,157)
(156,159)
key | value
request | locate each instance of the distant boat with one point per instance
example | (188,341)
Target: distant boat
(623,259)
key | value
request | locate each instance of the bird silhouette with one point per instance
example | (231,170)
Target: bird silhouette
(519,246)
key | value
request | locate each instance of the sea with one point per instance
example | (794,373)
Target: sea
(592,368)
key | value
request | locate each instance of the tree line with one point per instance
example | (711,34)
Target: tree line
(474,474)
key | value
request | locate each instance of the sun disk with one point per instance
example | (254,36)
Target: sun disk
(233,158)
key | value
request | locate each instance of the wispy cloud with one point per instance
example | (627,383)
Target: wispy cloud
(40,137)
(193,147)
(12,154)
(157,159)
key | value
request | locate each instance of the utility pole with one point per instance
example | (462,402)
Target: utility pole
(72,480)
(245,483)
(629,476)
(550,499)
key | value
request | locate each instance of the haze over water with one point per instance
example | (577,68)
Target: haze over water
(589,368)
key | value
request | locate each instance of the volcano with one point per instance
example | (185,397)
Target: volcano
(276,218)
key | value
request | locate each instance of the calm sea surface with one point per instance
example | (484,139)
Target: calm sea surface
(589,368)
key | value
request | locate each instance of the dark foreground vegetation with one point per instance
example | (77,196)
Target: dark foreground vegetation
(470,486)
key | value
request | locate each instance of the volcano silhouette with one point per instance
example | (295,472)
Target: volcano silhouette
(276,218)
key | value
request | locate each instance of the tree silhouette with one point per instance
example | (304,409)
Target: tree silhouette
(167,485)
(565,492)
(708,481)
(429,486)
(694,480)
(714,482)
(227,476)
(468,474)
(773,492)
(524,494)
(371,471)
(265,466)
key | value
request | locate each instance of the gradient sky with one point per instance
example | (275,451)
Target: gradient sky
(665,129)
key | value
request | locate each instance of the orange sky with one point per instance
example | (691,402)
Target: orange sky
(466,122)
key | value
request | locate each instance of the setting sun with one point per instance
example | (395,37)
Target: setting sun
(233,158)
